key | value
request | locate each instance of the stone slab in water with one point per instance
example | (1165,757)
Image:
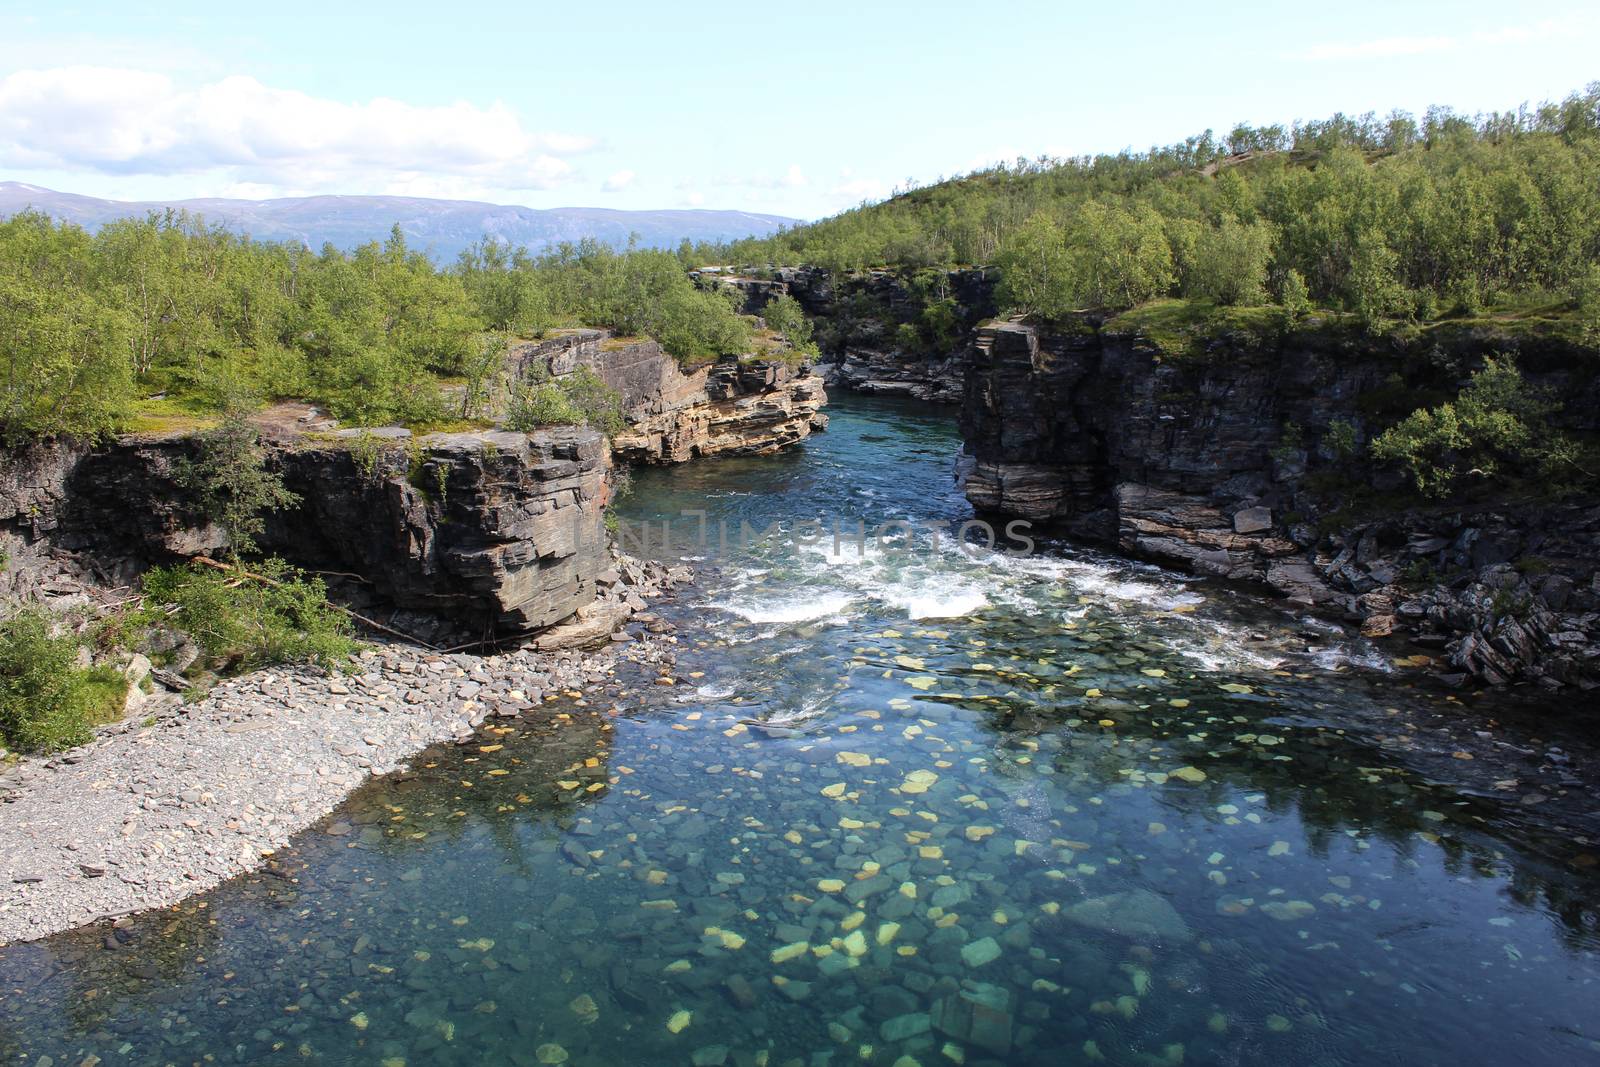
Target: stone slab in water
(1138,914)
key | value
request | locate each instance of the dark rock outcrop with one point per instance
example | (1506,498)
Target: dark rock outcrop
(881,332)
(1228,463)
(496,532)
(501,531)
(730,407)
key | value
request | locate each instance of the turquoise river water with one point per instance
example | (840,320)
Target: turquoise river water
(908,804)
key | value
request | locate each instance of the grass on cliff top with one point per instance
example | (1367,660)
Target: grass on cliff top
(1179,329)
(1534,319)
(166,415)
(769,344)
(1191,329)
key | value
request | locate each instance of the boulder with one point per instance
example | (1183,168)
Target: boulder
(1252,520)
(1137,914)
(979,1016)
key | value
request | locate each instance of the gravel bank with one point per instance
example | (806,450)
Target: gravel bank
(148,814)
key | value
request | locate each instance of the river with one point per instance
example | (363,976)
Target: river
(908,803)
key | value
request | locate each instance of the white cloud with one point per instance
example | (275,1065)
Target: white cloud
(123,121)
(618,181)
(694,199)
(1390,47)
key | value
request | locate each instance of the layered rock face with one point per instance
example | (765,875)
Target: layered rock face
(731,407)
(501,531)
(860,317)
(497,532)
(877,337)
(1228,464)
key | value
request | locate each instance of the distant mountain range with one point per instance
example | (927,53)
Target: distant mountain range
(443,227)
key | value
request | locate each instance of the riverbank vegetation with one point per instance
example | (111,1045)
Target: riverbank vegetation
(1496,425)
(1405,233)
(245,618)
(49,699)
(61,675)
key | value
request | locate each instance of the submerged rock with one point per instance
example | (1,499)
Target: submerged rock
(1138,914)
(979,1016)
(982,951)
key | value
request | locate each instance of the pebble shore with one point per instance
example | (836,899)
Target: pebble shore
(155,810)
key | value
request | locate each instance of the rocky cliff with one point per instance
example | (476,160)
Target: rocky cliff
(753,406)
(884,333)
(1232,460)
(495,532)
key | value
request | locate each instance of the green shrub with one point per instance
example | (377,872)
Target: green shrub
(1293,295)
(1458,208)
(1291,441)
(1035,272)
(505,288)
(481,373)
(579,398)
(48,702)
(941,324)
(231,479)
(1373,290)
(1586,299)
(1341,439)
(1103,255)
(273,614)
(785,315)
(1497,421)
(64,348)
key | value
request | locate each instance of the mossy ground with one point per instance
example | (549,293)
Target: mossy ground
(165,415)
(1190,329)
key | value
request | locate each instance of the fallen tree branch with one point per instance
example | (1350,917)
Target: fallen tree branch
(228,568)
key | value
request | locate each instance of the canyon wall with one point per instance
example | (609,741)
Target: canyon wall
(883,333)
(494,532)
(1238,459)
(753,406)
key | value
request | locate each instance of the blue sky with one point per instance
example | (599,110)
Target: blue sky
(797,109)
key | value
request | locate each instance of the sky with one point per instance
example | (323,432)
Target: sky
(800,110)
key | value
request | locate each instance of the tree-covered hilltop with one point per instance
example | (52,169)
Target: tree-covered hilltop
(168,315)
(1388,218)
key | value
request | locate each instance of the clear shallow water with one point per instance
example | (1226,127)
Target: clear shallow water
(921,804)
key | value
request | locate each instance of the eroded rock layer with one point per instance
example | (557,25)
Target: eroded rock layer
(730,407)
